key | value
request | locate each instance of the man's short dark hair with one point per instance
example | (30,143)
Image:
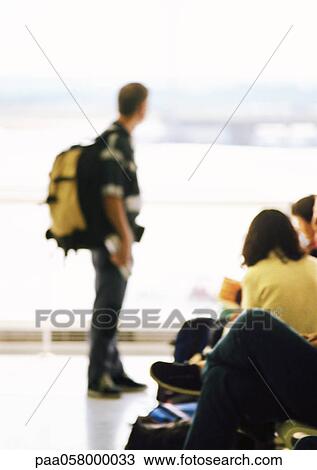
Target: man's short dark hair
(131,96)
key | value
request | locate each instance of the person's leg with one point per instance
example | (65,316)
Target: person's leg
(263,346)
(261,366)
(116,364)
(110,290)
(193,338)
(228,398)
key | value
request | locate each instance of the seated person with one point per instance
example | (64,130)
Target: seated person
(261,372)
(283,279)
(280,278)
(303,212)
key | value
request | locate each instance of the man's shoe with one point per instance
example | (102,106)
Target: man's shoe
(179,378)
(106,389)
(126,384)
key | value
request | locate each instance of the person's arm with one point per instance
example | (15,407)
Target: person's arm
(113,178)
(115,212)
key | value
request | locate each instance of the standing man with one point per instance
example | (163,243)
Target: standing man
(121,198)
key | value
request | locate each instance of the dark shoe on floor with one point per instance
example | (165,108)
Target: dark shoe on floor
(106,389)
(179,378)
(126,384)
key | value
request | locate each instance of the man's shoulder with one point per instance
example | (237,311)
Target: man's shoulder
(115,132)
(116,144)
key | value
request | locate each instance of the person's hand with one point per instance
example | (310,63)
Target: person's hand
(123,257)
(312,339)
(233,316)
(313,342)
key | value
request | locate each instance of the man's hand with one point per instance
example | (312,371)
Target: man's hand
(123,257)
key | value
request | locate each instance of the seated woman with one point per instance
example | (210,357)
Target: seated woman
(303,211)
(280,278)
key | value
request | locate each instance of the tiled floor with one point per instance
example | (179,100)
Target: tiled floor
(66,418)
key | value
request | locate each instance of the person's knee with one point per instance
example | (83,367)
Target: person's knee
(255,320)
(214,376)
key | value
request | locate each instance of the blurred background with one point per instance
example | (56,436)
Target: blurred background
(198,58)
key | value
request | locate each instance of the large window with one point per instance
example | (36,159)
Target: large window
(198,62)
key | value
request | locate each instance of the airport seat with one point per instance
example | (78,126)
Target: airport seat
(289,432)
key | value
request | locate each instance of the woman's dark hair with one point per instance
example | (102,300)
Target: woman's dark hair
(271,230)
(304,208)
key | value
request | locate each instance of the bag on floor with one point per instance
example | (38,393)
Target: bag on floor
(165,428)
(147,434)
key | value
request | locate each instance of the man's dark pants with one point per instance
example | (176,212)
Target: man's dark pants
(261,372)
(110,289)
